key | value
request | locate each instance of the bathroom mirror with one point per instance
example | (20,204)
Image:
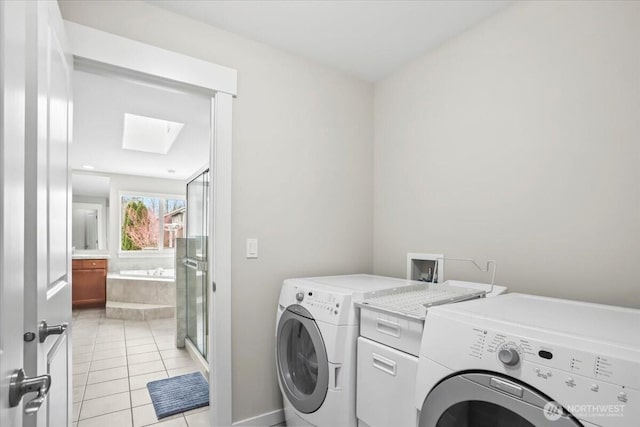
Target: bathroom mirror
(90,210)
(88,223)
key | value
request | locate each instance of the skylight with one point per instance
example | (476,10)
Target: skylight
(149,135)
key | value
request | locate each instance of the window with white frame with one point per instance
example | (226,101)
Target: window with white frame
(150,222)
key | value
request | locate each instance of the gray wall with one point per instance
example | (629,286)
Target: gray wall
(302,168)
(518,140)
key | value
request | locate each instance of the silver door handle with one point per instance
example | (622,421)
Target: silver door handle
(44,330)
(195,264)
(190,263)
(21,385)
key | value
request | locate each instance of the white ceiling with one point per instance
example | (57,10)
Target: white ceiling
(100,102)
(368,39)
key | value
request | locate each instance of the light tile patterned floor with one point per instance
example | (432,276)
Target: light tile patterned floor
(113,360)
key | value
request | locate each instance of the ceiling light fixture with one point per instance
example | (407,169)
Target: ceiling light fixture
(88,167)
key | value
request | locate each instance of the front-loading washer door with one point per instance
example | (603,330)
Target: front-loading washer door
(302,361)
(490,399)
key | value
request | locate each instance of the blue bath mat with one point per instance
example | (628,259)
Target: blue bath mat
(174,395)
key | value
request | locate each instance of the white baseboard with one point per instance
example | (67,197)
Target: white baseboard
(264,420)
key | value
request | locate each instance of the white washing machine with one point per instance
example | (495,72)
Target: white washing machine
(520,360)
(316,333)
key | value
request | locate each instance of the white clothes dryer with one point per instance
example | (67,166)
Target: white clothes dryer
(316,334)
(523,361)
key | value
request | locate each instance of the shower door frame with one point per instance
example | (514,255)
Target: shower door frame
(116,53)
(198,174)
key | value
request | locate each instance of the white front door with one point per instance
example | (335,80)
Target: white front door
(47,237)
(12,96)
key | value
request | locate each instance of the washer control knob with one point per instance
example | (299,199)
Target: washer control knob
(595,387)
(622,396)
(300,296)
(509,356)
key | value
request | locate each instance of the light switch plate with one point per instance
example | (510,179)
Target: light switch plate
(252,248)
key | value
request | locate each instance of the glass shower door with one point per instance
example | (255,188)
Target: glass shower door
(196,262)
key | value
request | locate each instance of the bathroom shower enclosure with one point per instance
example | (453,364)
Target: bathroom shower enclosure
(196,262)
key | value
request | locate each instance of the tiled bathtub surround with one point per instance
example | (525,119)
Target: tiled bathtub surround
(143,298)
(113,360)
(117,263)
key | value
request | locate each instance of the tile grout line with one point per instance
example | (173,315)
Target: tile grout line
(153,336)
(86,381)
(126,353)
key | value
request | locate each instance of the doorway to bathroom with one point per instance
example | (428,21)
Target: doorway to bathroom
(149,207)
(131,263)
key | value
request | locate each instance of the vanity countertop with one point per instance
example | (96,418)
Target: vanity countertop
(91,256)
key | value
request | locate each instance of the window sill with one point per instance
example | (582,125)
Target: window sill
(147,254)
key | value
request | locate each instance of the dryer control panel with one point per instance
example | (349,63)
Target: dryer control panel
(325,306)
(562,367)
(323,301)
(511,351)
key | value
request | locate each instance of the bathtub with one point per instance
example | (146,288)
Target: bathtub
(141,294)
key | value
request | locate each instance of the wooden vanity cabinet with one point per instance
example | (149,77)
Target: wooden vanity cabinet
(89,283)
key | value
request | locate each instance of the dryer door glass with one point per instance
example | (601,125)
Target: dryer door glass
(302,358)
(476,413)
(303,366)
(490,399)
